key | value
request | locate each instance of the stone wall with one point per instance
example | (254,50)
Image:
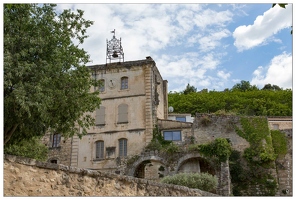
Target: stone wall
(218,127)
(284,165)
(62,153)
(28,177)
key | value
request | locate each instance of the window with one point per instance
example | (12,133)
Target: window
(54,161)
(94,76)
(275,127)
(100,116)
(56,138)
(124,83)
(102,85)
(122,113)
(122,147)
(100,150)
(172,135)
(181,119)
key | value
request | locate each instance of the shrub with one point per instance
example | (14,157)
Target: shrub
(219,148)
(205,121)
(30,148)
(154,145)
(202,181)
(171,148)
(193,147)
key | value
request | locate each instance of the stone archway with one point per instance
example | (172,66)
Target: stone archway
(194,163)
(149,167)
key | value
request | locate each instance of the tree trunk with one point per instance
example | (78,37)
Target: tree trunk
(8,133)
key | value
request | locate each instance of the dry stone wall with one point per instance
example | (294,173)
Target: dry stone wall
(28,177)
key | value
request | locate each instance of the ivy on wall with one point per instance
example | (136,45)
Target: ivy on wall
(219,149)
(255,130)
(249,173)
(279,142)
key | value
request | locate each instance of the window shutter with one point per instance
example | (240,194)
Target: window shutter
(100,116)
(122,113)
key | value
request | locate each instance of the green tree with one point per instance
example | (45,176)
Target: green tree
(30,148)
(283,5)
(271,87)
(189,89)
(46,83)
(244,86)
(249,102)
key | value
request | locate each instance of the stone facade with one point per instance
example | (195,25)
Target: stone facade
(60,153)
(218,127)
(133,96)
(280,123)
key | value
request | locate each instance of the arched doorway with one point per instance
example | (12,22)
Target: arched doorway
(149,167)
(194,164)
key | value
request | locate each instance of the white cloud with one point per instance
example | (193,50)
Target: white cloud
(264,27)
(210,17)
(223,74)
(212,40)
(193,68)
(278,72)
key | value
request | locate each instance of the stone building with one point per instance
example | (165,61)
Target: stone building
(134,101)
(133,97)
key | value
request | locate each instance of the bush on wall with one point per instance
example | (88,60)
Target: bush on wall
(202,181)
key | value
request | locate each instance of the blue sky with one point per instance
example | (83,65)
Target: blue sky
(211,46)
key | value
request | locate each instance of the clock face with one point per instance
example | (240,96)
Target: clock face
(112,83)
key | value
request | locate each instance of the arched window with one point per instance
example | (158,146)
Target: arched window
(124,83)
(100,149)
(102,85)
(100,116)
(54,161)
(122,147)
(122,113)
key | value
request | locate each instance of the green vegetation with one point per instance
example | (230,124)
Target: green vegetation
(30,148)
(256,132)
(202,181)
(46,83)
(249,170)
(219,149)
(279,142)
(242,99)
(158,142)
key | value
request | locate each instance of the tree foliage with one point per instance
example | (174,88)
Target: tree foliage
(244,86)
(243,101)
(282,5)
(189,89)
(46,83)
(271,87)
(29,148)
(219,149)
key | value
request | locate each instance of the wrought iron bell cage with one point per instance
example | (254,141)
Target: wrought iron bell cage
(114,49)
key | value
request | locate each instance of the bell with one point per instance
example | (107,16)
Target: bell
(114,55)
